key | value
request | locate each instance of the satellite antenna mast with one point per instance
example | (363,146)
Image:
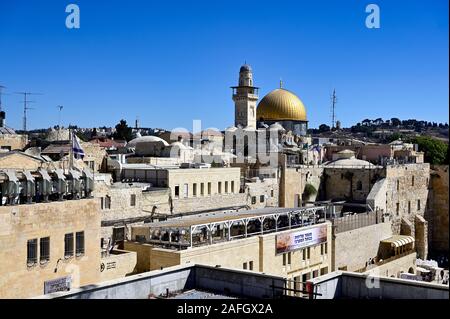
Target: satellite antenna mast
(60,107)
(1,89)
(26,107)
(333,108)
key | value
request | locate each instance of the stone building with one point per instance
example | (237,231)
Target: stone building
(9,139)
(44,245)
(261,240)
(437,212)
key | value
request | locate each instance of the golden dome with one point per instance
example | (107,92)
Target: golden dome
(281,104)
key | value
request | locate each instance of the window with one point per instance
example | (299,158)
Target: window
(194,189)
(284,259)
(133,200)
(186,190)
(412,181)
(397,208)
(44,249)
(409,207)
(219,187)
(289,258)
(271,193)
(209,188)
(244,266)
(321,249)
(304,254)
(250,265)
(226,187)
(308,252)
(140,238)
(261,198)
(398,185)
(202,189)
(323,271)
(102,203)
(118,234)
(107,202)
(232,186)
(68,245)
(326,248)
(80,243)
(177,190)
(253,200)
(31,252)
(359,185)
(418,204)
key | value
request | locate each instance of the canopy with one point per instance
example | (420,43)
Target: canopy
(398,240)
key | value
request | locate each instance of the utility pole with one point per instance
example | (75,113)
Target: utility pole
(60,107)
(1,89)
(333,106)
(26,107)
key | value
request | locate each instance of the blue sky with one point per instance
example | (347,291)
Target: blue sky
(170,62)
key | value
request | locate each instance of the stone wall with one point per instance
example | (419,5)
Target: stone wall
(438,209)
(352,249)
(21,223)
(118,264)
(352,184)
(393,267)
(13,141)
(293,181)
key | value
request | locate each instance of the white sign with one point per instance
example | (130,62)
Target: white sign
(59,284)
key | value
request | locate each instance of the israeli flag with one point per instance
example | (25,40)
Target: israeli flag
(77,151)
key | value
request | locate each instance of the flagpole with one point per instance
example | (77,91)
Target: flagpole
(71,149)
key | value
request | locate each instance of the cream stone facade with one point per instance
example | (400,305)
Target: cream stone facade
(20,278)
(12,142)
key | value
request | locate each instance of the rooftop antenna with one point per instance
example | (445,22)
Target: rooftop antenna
(60,107)
(26,107)
(333,108)
(1,89)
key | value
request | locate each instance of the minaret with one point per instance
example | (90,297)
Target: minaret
(245,97)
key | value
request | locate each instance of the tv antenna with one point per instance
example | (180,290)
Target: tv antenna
(26,107)
(333,108)
(1,94)
(60,107)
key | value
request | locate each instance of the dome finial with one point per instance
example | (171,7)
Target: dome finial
(281,83)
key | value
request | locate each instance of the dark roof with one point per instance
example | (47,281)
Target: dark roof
(57,149)
(246,68)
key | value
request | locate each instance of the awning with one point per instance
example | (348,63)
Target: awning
(44,174)
(398,240)
(11,175)
(28,175)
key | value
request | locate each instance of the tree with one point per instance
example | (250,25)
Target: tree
(123,131)
(395,121)
(436,152)
(324,128)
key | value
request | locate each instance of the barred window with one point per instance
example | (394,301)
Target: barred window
(31,252)
(44,249)
(107,202)
(80,243)
(68,245)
